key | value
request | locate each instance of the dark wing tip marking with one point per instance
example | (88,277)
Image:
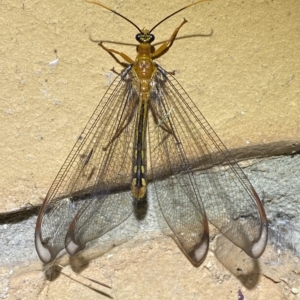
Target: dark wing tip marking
(198,254)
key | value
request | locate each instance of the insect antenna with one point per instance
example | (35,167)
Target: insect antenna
(115,12)
(174,13)
(164,19)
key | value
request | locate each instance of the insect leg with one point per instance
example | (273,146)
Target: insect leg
(162,122)
(122,126)
(123,55)
(167,45)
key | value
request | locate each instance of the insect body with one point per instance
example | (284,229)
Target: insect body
(146,130)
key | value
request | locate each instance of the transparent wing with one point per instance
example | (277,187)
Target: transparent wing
(84,201)
(196,178)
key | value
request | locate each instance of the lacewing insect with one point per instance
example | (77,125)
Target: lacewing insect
(147,130)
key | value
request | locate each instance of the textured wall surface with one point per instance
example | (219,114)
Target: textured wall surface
(244,77)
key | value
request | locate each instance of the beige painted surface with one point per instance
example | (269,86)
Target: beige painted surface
(244,78)
(156,269)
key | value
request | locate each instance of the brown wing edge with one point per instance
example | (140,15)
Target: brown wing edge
(45,253)
(259,247)
(197,254)
(71,246)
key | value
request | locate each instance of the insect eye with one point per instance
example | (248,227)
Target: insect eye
(138,37)
(152,38)
(145,38)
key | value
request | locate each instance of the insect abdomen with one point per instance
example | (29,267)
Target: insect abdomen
(139,184)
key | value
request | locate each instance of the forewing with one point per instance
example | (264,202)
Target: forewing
(91,193)
(205,179)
